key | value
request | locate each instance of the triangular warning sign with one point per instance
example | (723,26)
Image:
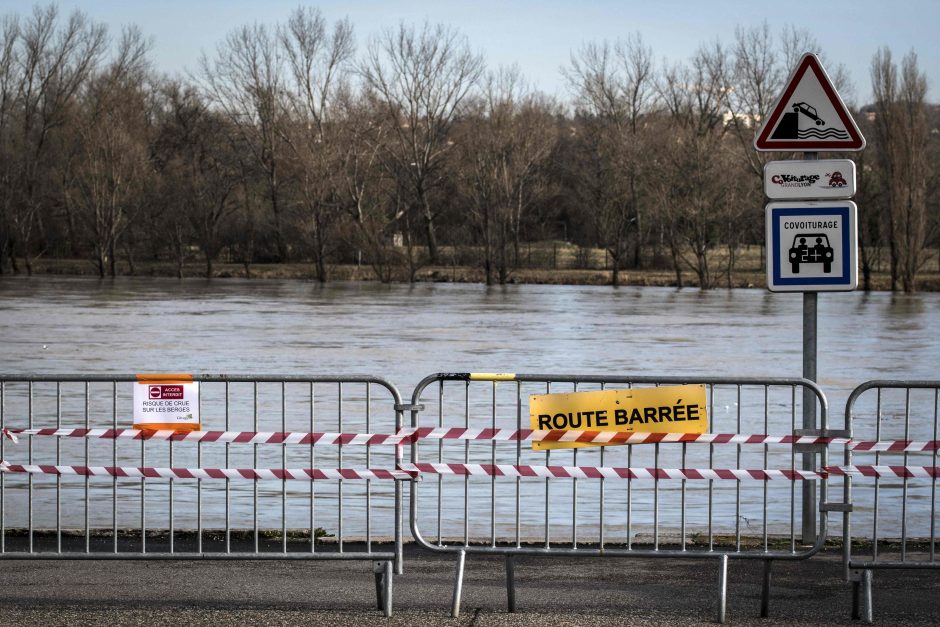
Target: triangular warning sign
(810,115)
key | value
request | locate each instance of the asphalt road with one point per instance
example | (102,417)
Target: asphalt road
(549,592)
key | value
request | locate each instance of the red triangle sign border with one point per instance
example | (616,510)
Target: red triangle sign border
(809,62)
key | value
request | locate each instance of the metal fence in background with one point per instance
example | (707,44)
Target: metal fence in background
(91,490)
(494,495)
(890,481)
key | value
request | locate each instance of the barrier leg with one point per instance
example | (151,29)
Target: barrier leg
(458,584)
(399,550)
(765,590)
(856,590)
(378,569)
(722,587)
(511,583)
(866,597)
(388,589)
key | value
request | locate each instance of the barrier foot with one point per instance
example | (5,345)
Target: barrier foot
(458,584)
(856,589)
(866,597)
(388,589)
(511,583)
(378,569)
(765,590)
(722,587)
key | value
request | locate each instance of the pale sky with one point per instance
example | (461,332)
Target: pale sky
(539,36)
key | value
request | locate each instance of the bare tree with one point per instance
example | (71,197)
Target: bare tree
(317,61)
(199,171)
(697,190)
(364,189)
(246,81)
(113,133)
(422,78)
(615,89)
(901,134)
(9,60)
(504,148)
(55,61)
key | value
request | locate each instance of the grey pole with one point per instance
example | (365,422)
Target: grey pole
(809,401)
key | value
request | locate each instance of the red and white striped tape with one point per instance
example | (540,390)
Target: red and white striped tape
(602,472)
(612,437)
(893,446)
(255,474)
(240,437)
(909,472)
(407,435)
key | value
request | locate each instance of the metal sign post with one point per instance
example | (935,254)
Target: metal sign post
(811,245)
(809,400)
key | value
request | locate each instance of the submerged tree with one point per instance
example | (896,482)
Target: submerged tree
(422,78)
(901,146)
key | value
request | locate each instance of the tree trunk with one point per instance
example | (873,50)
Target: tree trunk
(111,260)
(432,238)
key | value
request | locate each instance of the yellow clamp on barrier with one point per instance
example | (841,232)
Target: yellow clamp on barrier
(492,376)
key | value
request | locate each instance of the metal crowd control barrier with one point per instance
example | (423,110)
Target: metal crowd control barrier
(692,499)
(241,494)
(892,458)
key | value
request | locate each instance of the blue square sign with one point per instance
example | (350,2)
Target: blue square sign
(812,246)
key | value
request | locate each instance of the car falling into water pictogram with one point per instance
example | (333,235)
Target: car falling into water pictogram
(809,111)
(820,252)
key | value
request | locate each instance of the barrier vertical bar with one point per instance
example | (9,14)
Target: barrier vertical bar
(933,483)
(170,488)
(255,461)
(58,460)
(711,464)
(737,487)
(30,453)
(601,499)
(907,436)
(228,482)
(493,478)
(574,496)
(440,459)
(548,458)
(466,460)
(284,465)
(313,532)
(199,483)
(874,522)
(792,468)
(519,461)
(339,487)
(87,463)
(369,465)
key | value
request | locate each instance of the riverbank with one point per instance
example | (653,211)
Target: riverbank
(748,276)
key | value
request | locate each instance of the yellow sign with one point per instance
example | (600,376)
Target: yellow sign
(674,409)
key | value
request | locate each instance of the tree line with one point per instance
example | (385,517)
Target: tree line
(290,143)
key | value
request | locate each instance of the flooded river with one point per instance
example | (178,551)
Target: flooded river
(51,326)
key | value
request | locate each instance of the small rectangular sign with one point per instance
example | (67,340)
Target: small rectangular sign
(161,403)
(812,246)
(827,178)
(672,409)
